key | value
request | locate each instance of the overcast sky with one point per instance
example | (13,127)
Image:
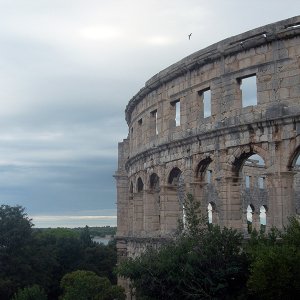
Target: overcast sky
(68,69)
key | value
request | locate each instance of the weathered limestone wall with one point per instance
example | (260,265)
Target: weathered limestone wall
(207,152)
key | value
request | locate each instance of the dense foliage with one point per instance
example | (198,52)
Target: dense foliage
(275,267)
(207,262)
(86,285)
(32,261)
(30,293)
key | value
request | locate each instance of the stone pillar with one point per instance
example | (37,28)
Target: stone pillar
(231,203)
(170,209)
(122,190)
(197,190)
(138,213)
(281,199)
(256,219)
(151,212)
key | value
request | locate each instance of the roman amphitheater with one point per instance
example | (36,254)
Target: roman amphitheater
(222,124)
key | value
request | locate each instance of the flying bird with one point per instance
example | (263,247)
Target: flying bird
(190,36)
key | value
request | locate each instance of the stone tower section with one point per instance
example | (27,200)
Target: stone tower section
(222,124)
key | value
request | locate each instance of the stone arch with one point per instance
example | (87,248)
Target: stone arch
(202,167)
(241,154)
(154,181)
(173,199)
(131,188)
(203,188)
(174,175)
(152,205)
(238,196)
(138,207)
(139,185)
(293,158)
(294,169)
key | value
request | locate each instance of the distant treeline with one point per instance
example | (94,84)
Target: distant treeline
(94,231)
(99,231)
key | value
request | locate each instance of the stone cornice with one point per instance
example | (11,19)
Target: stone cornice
(253,38)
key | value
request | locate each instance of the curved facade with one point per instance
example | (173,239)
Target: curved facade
(222,124)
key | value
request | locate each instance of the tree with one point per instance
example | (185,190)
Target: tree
(86,285)
(275,266)
(85,237)
(34,292)
(15,228)
(203,262)
(15,236)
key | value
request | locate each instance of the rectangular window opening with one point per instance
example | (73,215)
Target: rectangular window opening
(140,121)
(207,103)
(154,120)
(261,182)
(247,181)
(176,105)
(208,176)
(249,91)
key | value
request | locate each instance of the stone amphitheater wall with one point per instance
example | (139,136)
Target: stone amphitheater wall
(178,142)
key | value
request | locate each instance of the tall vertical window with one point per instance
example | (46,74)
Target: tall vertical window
(210,213)
(261,182)
(177,115)
(207,103)
(249,90)
(250,211)
(208,176)
(154,121)
(247,181)
(205,97)
(263,218)
(176,107)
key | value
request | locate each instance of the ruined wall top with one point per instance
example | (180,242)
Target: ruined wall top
(276,31)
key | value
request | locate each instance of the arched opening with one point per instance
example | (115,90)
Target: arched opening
(292,178)
(204,188)
(154,182)
(202,168)
(248,189)
(254,192)
(174,176)
(263,218)
(152,205)
(173,200)
(250,212)
(140,185)
(138,210)
(211,213)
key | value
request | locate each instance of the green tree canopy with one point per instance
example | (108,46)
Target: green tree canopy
(15,228)
(275,266)
(86,285)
